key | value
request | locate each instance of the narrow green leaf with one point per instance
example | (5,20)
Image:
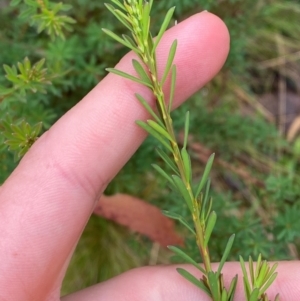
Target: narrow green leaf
(245,275)
(118,39)
(208,210)
(213,280)
(226,253)
(148,108)
(186,128)
(151,2)
(187,275)
(205,174)
(146,20)
(258,265)
(128,76)
(123,19)
(262,274)
(119,4)
(140,5)
(18,131)
(272,270)
(152,132)
(38,65)
(15,2)
(232,288)
(224,295)
(5,91)
(184,192)
(13,79)
(180,219)
(277,298)
(9,70)
(186,258)
(242,263)
(187,164)
(163,173)
(169,62)
(247,289)
(37,128)
(251,269)
(172,88)
(268,283)
(141,72)
(130,41)
(167,160)
(209,227)
(159,129)
(163,27)
(254,295)
(27,63)
(22,69)
(203,211)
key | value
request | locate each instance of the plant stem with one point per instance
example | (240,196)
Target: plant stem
(167,120)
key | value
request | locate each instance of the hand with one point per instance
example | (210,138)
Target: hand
(48,199)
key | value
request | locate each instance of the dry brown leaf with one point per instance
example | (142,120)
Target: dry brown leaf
(140,217)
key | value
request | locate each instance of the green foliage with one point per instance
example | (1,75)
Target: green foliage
(262,216)
(135,15)
(92,261)
(27,78)
(261,277)
(46,15)
(19,137)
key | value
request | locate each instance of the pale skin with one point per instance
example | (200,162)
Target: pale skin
(47,201)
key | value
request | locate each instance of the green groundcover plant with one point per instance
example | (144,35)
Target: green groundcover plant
(135,16)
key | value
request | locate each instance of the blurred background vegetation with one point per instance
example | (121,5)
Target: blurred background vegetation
(249,115)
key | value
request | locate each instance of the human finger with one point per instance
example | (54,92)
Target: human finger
(164,283)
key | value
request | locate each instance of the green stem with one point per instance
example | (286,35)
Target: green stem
(167,120)
(147,55)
